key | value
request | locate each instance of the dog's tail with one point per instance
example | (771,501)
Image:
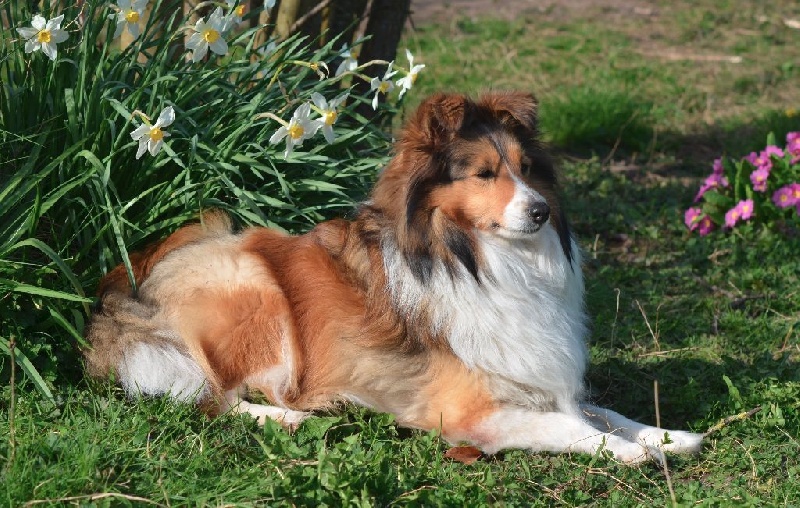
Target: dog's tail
(127,338)
(212,223)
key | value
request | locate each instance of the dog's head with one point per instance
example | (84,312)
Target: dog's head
(464,166)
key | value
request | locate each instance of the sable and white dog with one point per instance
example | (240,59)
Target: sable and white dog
(453,300)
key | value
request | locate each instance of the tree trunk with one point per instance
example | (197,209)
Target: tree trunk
(344,19)
(288,12)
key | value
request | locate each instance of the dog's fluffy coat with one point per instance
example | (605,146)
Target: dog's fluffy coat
(453,300)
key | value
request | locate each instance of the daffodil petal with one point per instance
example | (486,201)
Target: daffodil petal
(140,131)
(134,30)
(219,46)
(154,147)
(38,22)
(58,36)
(199,53)
(166,117)
(55,23)
(319,101)
(194,42)
(278,135)
(374,83)
(50,50)
(142,148)
(27,33)
(31,45)
(327,131)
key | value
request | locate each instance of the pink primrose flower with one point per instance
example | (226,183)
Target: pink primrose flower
(759,179)
(732,216)
(742,211)
(713,181)
(760,160)
(795,191)
(746,208)
(784,197)
(793,146)
(692,218)
(772,150)
(705,226)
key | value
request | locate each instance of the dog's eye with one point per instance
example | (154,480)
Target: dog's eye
(485,174)
(525,166)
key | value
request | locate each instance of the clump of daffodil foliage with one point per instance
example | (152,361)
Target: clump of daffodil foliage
(106,146)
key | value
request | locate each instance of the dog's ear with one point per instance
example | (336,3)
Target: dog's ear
(438,119)
(519,107)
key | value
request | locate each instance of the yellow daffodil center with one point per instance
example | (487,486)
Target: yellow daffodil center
(296,131)
(240,10)
(413,78)
(384,86)
(132,16)
(210,35)
(330,117)
(43,36)
(156,134)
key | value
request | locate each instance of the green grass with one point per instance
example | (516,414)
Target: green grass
(713,322)
(655,81)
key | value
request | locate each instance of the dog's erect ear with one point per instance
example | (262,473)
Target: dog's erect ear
(519,107)
(439,118)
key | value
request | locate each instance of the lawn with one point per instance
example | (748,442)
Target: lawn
(636,101)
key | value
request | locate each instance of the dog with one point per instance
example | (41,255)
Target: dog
(453,299)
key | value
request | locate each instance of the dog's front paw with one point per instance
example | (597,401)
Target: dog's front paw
(673,441)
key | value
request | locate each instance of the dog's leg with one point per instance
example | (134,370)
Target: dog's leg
(551,432)
(677,441)
(289,418)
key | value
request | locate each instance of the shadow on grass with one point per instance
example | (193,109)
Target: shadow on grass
(692,392)
(616,126)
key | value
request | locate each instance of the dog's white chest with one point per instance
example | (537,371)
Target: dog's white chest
(524,321)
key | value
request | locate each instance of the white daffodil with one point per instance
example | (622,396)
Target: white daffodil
(328,112)
(300,128)
(237,10)
(349,62)
(208,35)
(382,85)
(407,82)
(130,12)
(151,137)
(44,35)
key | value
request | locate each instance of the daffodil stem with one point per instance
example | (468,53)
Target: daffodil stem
(273,116)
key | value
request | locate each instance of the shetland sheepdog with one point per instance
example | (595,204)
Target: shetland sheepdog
(453,300)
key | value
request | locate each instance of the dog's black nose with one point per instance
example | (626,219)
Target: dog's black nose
(539,212)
